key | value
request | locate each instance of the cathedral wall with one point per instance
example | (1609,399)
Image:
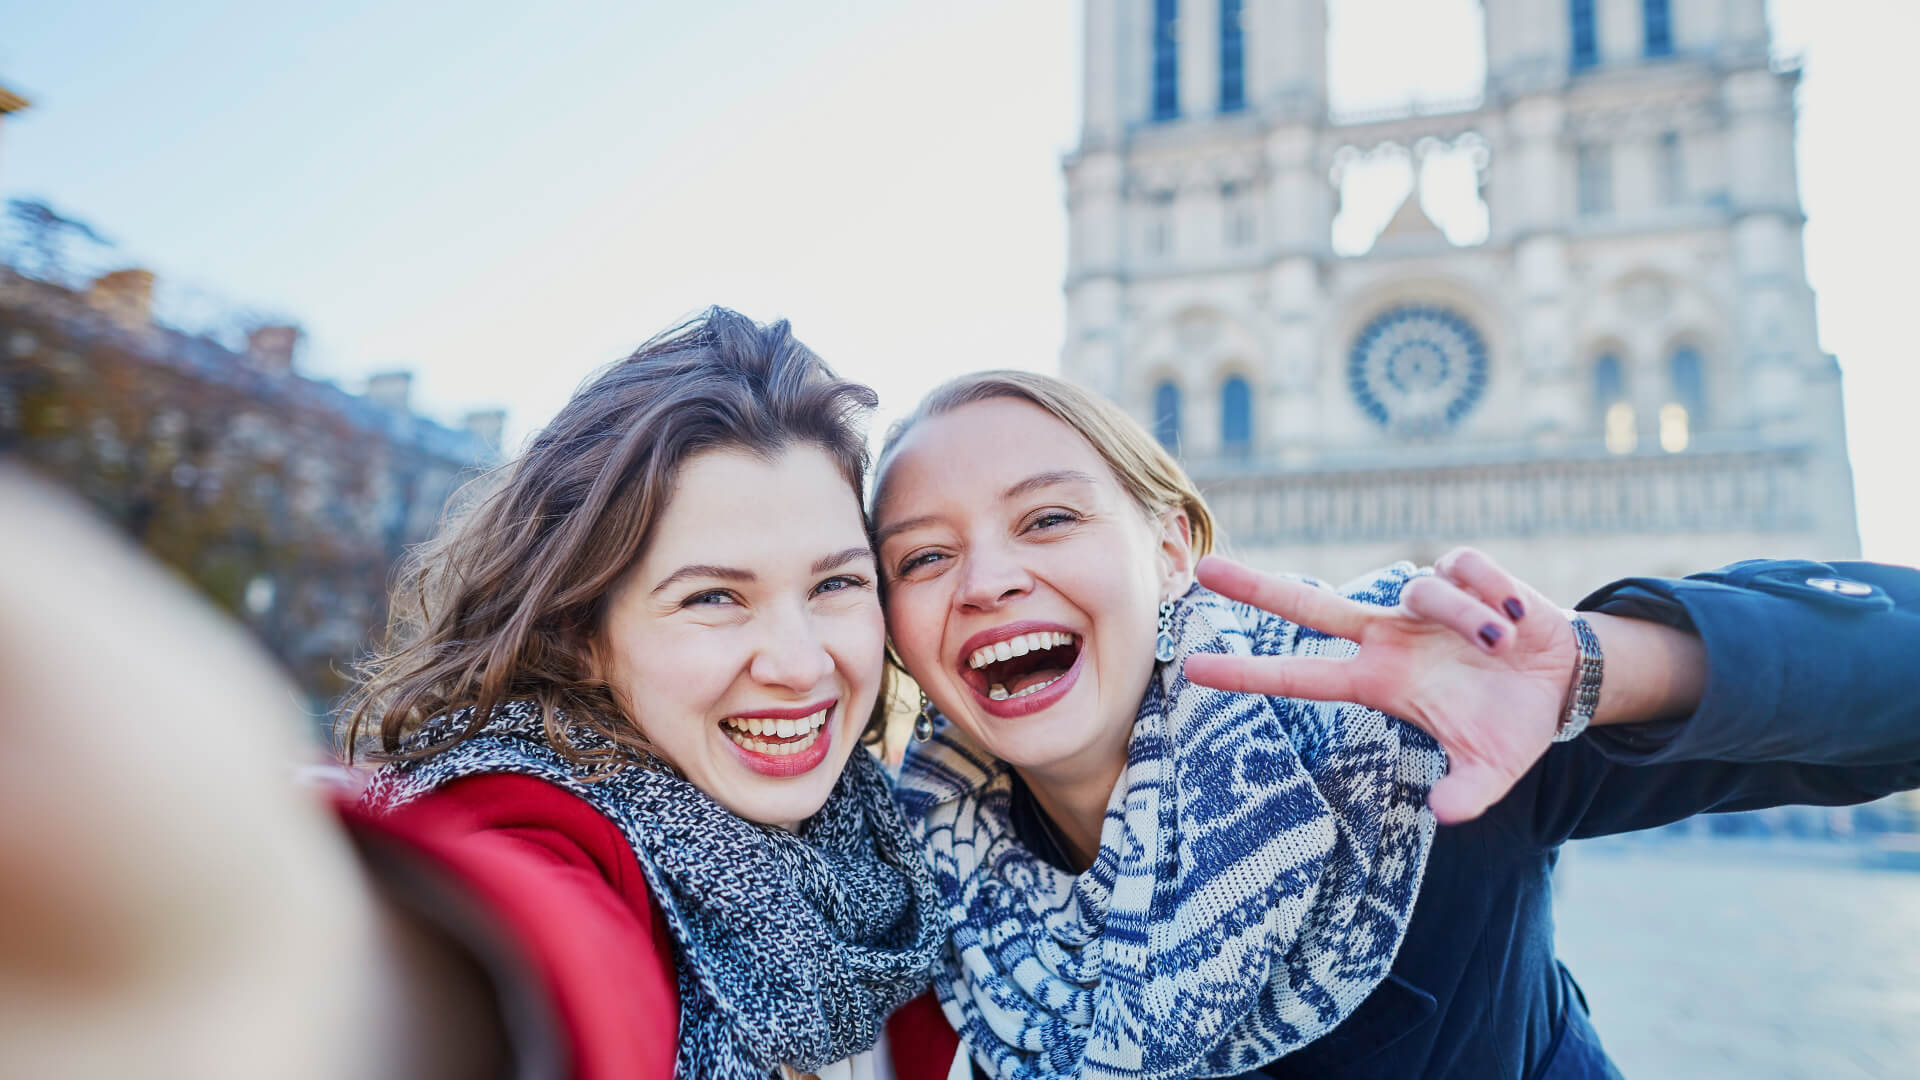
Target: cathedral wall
(1564,568)
(1423,395)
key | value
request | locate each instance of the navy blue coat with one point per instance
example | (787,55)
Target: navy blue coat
(1811,698)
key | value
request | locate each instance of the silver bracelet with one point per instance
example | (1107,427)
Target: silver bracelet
(1583,695)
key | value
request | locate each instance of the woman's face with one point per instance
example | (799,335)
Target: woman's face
(746,642)
(1023,583)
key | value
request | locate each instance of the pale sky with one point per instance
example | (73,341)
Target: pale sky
(503,196)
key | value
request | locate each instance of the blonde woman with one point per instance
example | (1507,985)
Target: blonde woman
(1252,826)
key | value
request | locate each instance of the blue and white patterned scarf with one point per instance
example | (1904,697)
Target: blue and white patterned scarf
(791,948)
(1257,868)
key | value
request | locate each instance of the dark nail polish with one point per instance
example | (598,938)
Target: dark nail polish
(1490,634)
(1514,610)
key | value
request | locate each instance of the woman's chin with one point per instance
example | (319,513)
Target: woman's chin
(1043,741)
(783,790)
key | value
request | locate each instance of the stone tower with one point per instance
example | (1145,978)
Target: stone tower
(1622,377)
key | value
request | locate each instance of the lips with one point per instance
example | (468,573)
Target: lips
(781,742)
(1020,668)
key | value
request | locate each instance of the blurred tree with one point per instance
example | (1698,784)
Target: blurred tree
(284,500)
(41,236)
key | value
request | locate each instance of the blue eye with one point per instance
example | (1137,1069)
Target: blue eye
(917,560)
(709,596)
(1048,519)
(840,584)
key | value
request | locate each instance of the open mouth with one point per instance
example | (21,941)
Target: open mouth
(776,736)
(1021,665)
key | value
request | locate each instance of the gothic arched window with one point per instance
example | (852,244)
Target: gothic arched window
(1657,16)
(1689,379)
(1586,39)
(1610,403)
(1166,59)
(1236,417)
(1166,415)
(1233,58)
(1687,402)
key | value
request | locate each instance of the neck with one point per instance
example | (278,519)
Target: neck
(1075,801)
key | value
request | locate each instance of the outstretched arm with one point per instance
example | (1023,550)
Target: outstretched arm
(170,904)
(1476,658)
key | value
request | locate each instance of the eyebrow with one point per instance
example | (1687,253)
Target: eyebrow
(703,570)
(1044,480)
(733,573)
(839,559)
(1017,489)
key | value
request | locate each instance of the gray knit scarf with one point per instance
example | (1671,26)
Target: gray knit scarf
(856,923)
(1258,864)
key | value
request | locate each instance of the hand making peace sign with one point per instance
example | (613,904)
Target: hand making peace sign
(1472,656)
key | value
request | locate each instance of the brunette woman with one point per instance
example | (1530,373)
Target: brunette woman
(1152,878)
(646,665)
(626,828)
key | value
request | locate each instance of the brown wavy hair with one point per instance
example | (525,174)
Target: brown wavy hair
(504,604)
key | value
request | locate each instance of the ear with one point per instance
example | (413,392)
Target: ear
(1176,552)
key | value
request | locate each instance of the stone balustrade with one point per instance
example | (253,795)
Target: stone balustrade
(1762,489)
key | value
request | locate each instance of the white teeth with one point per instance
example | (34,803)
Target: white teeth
(777,749)
(740,727)
(1017,646)
(998,691)
(1035,688)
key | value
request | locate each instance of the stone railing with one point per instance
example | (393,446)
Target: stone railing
(1405,110)
(1763,489)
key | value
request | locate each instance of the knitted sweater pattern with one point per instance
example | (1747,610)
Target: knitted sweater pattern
(1257,867)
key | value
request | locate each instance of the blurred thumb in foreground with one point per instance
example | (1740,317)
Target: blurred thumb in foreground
(171,904)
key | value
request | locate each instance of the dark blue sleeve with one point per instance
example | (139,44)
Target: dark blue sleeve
(1577,792)
(1815,663)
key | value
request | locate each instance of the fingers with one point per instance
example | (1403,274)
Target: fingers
(1469,787)
(1476,573)
(1293,600)
(1439,600)
(1313,678)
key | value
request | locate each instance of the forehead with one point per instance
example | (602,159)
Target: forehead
(977,450)
(732,506)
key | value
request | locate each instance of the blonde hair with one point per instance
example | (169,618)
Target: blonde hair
(1141,465)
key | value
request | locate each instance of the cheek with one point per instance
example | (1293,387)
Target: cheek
(669,675)
(914,621)
(861,645)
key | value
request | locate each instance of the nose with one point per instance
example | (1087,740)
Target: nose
(990,576)
(791,655)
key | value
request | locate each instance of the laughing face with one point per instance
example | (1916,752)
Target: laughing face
(746,642)
(1023,584)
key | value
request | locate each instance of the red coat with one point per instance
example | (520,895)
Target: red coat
(561,882)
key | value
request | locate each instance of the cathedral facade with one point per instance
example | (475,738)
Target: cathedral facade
(1623,376)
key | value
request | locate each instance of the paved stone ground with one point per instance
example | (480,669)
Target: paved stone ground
(1731,960)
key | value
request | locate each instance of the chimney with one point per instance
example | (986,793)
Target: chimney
(390,389)
(487,425)
(125,296)
(270,348)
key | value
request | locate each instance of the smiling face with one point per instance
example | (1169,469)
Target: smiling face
(746,642)
(1023,584)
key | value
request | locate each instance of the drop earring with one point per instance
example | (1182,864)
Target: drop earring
(1163,641)
(923,723)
